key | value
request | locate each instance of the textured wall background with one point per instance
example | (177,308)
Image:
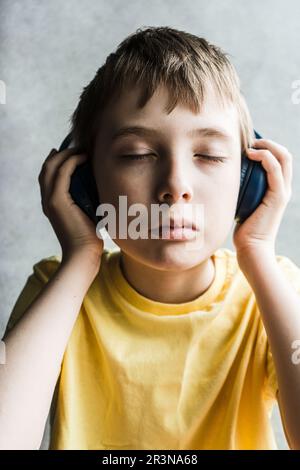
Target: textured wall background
(51,49)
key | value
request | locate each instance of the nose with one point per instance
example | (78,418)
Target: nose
(175,184)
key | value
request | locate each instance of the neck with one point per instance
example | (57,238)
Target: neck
(168,286)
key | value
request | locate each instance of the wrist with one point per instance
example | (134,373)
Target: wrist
(84,258)
(255,254)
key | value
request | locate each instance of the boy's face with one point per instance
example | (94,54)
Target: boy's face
(172,173)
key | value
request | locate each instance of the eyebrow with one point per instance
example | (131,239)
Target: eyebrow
(216,132)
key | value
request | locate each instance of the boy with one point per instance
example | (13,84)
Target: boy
(163,344)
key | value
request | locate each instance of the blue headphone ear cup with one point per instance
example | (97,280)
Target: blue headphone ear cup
(83,187)
(83,190)
(253,186)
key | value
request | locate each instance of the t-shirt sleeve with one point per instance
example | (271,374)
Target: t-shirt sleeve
(292,273)
(42,271)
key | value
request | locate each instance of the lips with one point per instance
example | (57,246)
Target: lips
(188,224)
(183,224)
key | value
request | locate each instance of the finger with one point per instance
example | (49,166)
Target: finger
(282,154)
(273,168)
(62,154)
(50,166)
(63,176)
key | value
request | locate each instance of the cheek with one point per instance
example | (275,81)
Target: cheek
(220,200)
(228,182)
(113,184)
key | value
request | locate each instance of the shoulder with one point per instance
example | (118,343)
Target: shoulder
(40,274)
(287,264)
(289,267)
(46,267)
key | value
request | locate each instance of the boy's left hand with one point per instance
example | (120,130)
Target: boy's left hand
(258,232)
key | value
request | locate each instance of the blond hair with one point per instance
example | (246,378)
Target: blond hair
(186,64)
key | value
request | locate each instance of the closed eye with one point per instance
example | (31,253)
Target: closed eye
(211,157)
(144,157)
(137,156)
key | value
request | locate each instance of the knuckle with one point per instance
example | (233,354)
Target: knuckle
(45,209)
(44,168)
(284,148)
(41,182)
(289,156)
(45,164)
(266,153)
(53,202)
(42,172)
(44,204)
(275,165)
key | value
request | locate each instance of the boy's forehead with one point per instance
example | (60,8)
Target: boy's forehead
(124,111)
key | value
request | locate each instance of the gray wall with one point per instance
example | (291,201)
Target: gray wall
(50,50)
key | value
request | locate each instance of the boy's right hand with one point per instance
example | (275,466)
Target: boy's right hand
(74,229)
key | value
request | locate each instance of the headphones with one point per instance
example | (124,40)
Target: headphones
(253,185)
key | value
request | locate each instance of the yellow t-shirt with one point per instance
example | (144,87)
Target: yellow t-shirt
(141,374)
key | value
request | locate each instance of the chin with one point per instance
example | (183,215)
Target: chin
(168,255)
